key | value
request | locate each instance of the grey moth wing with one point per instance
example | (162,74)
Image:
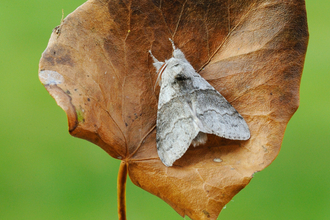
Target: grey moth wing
(217,115)
(188,108)
(176,129)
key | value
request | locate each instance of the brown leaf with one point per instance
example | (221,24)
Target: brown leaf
(252,52)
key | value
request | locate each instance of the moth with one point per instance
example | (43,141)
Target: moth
(189,108)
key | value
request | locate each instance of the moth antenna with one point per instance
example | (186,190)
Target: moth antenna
(177,53)
(153,57)
(157,64)
(172,44)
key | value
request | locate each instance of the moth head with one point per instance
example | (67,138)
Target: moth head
(171,71)
(178,74)
(175,67)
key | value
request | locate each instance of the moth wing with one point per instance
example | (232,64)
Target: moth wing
(176,129)
(216,114)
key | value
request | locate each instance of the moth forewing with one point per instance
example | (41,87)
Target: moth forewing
(189,107)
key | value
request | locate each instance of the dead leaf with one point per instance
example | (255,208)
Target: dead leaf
(250,51)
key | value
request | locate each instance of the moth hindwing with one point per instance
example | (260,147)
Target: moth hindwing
(189,108)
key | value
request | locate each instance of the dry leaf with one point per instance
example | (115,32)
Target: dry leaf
(252,52)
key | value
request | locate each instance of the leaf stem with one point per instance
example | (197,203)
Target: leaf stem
(121,190)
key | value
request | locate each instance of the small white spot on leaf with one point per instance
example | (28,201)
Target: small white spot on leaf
(217,160)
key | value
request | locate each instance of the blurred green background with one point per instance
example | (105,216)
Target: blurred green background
(47,174)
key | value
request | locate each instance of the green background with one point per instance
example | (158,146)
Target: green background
(47,174)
